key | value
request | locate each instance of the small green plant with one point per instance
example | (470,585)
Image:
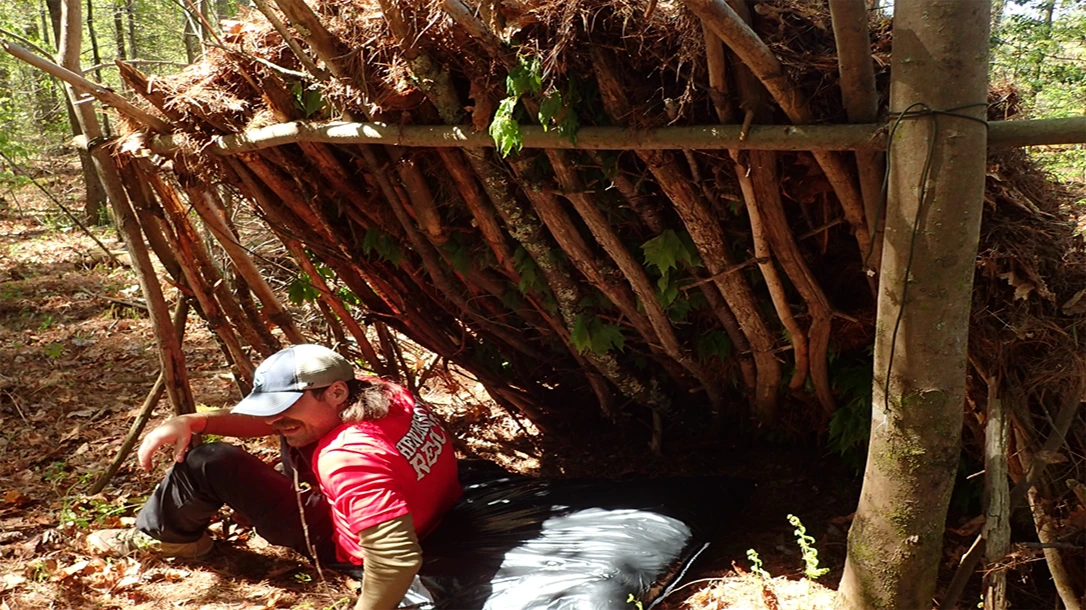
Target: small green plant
(46,322)
(636,602)
(54,350)
(806,547)
(303,577)
(10,292)
(39,571)
(756,565)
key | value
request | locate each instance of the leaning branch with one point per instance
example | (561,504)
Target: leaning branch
(102,94)
(704,137)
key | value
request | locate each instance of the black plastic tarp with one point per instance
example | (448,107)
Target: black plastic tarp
(518,543)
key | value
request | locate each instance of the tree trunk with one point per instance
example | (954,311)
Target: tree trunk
(130,14)
(932,229)
(97,57)
(118,36)
(189,38)
(95,202)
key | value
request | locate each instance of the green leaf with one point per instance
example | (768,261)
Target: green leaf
(549,108)
(715,344)
(528,270)
(301,290)
(458,254)
(308,100)
(679,310)
(590,333)
(663,252)
(348,297)
(667,291)
(526,77)
(383,244)
(505,130)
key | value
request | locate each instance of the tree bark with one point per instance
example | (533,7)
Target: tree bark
(97,57)
(932,229)
(130,15)
(95,201)
(997,524)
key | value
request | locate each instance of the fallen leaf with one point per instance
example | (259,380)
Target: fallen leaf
(11,580)
(1022,287)
(1075,305)
(72,570)
(15,497)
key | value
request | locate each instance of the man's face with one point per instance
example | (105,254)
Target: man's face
(308,419)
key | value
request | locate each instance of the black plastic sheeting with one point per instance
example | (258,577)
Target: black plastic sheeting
(517,543)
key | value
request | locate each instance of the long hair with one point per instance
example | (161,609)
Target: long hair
(367,400)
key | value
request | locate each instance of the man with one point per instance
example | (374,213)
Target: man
(371,470)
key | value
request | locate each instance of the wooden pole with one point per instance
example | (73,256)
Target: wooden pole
(861,101)
(169,346)
(78,83)
(997,524)
(867,136)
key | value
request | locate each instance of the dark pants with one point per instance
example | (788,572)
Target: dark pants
(218,474)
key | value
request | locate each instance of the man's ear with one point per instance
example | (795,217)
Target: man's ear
(337,393)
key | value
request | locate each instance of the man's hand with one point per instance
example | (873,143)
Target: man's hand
(176,431)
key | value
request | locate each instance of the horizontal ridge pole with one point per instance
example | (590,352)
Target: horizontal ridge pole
(706,137)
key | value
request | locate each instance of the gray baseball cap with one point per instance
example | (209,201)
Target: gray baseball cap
(281,379)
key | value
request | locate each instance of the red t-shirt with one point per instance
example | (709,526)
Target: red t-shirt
(375,471)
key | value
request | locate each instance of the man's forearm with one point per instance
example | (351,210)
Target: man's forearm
(224,423)
(391,558)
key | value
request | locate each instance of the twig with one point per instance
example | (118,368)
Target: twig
(728,271)
(15,402)
(137,62)
(817,230)
(261,61)
(305,525)
(277,23)
(27,42)
(132,304)
(60,205)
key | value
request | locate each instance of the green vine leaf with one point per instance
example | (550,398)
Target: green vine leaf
(592,334)
(526,77)
(666,250)
(505,130)
(383,244)
(550,109)
(301,290)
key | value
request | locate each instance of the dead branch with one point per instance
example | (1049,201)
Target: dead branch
(705,230)
(77,82)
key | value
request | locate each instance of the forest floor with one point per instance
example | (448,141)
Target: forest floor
(77,358)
